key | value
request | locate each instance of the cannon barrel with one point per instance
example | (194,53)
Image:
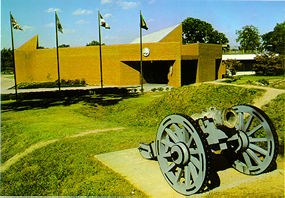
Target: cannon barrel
(222,118)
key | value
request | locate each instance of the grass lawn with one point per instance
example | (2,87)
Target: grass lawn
(270,81)
(67,166)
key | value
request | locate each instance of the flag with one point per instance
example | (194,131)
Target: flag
(58,24)
(14,23)
(143,23)
(103,22)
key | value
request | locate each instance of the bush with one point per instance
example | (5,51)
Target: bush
(268,64)
(233,65)
(263,81)
(63,83)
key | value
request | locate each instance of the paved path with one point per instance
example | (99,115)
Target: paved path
(7,82)
(146,175)
(270,93)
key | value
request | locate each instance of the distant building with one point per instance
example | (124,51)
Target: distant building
(247,60)
(166,61)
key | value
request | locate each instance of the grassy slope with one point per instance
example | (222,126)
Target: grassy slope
(68,167)
(275,110)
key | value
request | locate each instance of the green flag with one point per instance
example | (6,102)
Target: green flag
(58,24)
(143,23)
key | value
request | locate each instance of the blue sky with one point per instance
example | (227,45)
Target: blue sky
(80,23)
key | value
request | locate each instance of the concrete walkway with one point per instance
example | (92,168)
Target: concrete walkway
(270,93)
(146,175)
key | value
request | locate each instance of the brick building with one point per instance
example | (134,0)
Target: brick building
(166,61)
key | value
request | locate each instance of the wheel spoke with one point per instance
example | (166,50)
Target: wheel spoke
(253,156)
(171,167)
(195,161)
(189,141)
(187,176)
(241,120)
(166,155)
(179,174)
(255,129)
(193,171)
(247,159)
(181,133)
(167,143)
(171,135)
(258,149)
(251,139)
(248,123)
(193,151)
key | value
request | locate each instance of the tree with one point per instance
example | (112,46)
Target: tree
(233,65)
(218,37)
(63,46)
(268,64)
(249,38)
(274,41)
(94,43)
(7,61)
(198,31)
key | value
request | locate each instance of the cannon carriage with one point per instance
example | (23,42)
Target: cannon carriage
(184,146)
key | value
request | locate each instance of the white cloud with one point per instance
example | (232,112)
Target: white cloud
(128,4)
(49,10)
(27,27)
(49,25)
(69,31)
(106,1)
(108,15)
(81,22)
(81,11)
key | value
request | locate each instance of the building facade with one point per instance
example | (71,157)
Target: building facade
(165,61)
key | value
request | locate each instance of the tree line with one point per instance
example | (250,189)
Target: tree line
(198,31)
(249,38)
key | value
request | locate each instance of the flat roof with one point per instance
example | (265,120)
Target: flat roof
(238,56)
(155,36)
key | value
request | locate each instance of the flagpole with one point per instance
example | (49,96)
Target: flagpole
(13,57)
(141,65)
(57,54)
(100,51)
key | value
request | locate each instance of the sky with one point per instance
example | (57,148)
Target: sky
(79,18)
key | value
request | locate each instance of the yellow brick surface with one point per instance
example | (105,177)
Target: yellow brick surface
(120,62)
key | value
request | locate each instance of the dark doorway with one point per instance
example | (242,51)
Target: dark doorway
(153,71)
(188,71)
(218,64)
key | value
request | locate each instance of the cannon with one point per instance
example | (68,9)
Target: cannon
(185,146)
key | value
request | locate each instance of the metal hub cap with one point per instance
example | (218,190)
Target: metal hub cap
(180,154)
(243,141)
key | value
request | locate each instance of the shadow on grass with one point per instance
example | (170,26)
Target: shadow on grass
(40,100)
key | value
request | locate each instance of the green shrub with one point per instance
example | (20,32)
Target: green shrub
(63,83)
(268,64)
(160,89)
(263,82)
